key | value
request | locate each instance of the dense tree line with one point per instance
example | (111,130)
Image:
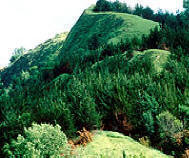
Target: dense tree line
(103,5)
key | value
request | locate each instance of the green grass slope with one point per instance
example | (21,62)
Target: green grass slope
(97,29)
(154,58)
(40,58)
(157,59)
(108,144)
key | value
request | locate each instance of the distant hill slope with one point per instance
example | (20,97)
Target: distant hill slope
(39,58)
(112,144)
(95,29)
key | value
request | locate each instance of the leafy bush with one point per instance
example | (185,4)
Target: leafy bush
(169,126)
(38,141)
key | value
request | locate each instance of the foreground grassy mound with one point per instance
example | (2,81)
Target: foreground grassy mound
(113,144)
(94,30)
(41,58)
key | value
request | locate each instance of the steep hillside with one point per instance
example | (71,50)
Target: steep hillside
(94,30)
(38,59)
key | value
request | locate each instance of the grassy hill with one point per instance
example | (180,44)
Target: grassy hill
(94,30)
(112,144)
(127,91)
(38,59)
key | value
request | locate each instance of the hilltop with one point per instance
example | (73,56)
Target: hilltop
(94,30)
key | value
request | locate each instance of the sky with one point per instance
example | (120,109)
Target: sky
(28,23)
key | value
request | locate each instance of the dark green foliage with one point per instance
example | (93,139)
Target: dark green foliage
(120,7)
(104,5)
(184,115)
(83,106)
(147,13)
(138,10)
(154,40)
(185,4)
(54,110)
(95,42)
(122,47)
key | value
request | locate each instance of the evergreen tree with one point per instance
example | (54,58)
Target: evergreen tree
(138,10)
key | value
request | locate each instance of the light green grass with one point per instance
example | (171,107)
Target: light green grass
(157,57)
(112,144)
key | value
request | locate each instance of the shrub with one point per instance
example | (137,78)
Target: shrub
(168,124)
(13,124)
(185,115)
(38,141)
(148,122)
